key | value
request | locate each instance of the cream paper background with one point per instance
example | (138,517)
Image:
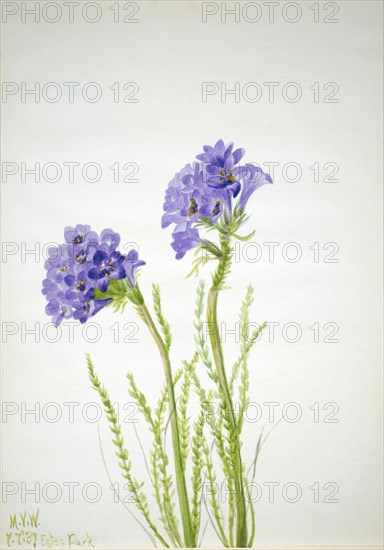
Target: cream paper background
(170,53)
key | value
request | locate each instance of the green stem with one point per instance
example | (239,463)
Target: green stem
(217,350)
(179,470)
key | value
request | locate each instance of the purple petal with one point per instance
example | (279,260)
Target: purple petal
(204,157)
(132,255)
(52,307)
(99,257)
(220,147)
(95,273)
(69,280)
(104,284)
(238,155)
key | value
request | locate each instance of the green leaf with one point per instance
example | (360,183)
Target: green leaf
(245,238)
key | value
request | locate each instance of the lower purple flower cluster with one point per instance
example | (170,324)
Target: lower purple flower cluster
(205,190)
(76,268)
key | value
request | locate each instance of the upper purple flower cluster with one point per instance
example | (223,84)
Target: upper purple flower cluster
(206,189)
(76,268)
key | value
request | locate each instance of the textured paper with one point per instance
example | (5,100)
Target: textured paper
(170,53)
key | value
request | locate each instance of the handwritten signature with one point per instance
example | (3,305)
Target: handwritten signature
(24,531)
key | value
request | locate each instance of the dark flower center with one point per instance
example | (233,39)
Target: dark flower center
(193,207)
(80,286)
(63,268)
(78,239)
(216,209)
(81,257)
(227,177)
(107,269)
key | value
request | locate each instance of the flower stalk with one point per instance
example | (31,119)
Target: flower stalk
(178,459)
(217,351)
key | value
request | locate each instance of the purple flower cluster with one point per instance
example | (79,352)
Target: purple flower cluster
(76,268)
(205,190)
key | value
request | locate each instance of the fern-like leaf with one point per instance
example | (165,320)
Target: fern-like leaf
(160,316)
(161,481)
(122,453)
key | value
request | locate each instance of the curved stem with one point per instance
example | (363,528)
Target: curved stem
(179,471)
(217,350)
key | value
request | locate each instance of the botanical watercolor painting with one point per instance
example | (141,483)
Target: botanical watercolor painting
(191,274)
(206,204)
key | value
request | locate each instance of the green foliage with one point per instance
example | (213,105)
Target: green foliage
(216,509)
(215,416)
(209,401)
(189,368)
(204,253)
(198,442)
(162,481)
(246,343)
(160,317)
(199,337)
(251,511)
(120,292)
(227,228)
(218,423)
(225,428)
(122,454)
(224,267)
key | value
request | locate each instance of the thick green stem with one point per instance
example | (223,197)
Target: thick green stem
(217,350)
(180,477)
